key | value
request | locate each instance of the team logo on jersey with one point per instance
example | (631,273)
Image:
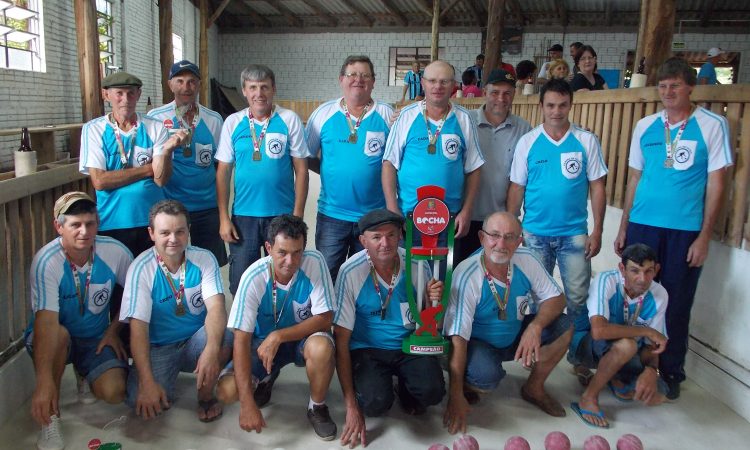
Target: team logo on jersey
(373,146)
(203,155)
(524,307)
(100,297)
(275,146)
(304,313)
(196,300)
(451,146)
(142,156)
(573,166)
(168,124)
(682,155)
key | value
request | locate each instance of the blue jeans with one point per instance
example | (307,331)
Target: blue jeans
(204,233)
(336,240)
(246,250)
(167,361)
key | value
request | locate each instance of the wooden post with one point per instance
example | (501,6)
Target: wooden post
(87,38)
(435,30)
(203,53)
(495,19)
(166,48)
(655,33)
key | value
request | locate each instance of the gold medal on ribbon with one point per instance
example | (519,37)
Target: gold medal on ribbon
(187,151)
(180,309)
(431,149)
(256,156)
(353,137)
(501,314)
(669,163)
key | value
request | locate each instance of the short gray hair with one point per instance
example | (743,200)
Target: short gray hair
(257,72)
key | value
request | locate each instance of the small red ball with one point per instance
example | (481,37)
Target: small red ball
(517,443)
(596,442)
(466,442)
(629,442)
(556,440)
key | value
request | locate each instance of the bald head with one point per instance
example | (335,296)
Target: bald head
(437,82)
(439,68)
(505,218)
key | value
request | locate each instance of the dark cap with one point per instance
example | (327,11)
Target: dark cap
(379,217)
(184,66)
(121,79)
(555,48)
(501,76)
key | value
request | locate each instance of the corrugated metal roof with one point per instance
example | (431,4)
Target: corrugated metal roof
(262,7)
(335,7)
(298,8)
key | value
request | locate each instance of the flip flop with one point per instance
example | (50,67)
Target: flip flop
(623,394)
(205,406)
(581,412)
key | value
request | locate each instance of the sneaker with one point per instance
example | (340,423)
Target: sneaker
(85,396)
(321,422)
(50,438)
(262,393)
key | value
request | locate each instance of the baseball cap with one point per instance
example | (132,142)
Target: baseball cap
(714,51)
(121,79)
(501,76)
(184,66)
(555,48)
(378,217)
(63,204)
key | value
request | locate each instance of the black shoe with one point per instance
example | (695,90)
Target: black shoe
(321,422)
(262,394)
(673,393)
(409,404)
(472,397)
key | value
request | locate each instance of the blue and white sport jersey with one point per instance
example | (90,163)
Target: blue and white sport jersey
(458,153)
(674,198)
(556,175)
(414,81)
(473,312)
(308,293)
(358,305)
(53,288)
(148,295)
(263,188)
(349,173)
(193,180)
(126,206)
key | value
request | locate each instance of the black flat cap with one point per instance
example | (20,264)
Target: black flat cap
(379,217)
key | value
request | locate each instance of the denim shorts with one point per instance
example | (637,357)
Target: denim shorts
(82,353)
(484,362)
(167,361)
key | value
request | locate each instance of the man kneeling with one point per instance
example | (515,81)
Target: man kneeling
(492,318)
(626,308)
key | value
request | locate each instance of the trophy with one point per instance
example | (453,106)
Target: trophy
(430,217)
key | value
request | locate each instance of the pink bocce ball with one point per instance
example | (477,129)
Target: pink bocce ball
(557,440)
(517,443)
(629,442)
(438,447)
(466,442)
(596,442)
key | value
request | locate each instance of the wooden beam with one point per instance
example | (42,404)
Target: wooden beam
(166,48)
(288,15)
(518,12)
(255,16)
(435,30)
(475,10)
(562,12)
(363,17)
(708,9)
(608,13)
(87,41)
(327,17)
(400,17)
(655,34)
(495,23)
(203,50)
(449,7)
(425,7)
(217,13)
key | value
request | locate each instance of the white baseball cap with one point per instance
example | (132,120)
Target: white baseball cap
(714,51)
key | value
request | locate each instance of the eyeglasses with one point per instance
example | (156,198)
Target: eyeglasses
(363,75)
(495,237)
(437,81)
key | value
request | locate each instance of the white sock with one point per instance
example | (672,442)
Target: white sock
(314,403)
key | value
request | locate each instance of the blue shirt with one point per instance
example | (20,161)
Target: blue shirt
(457,153)
(263,188)
(53,288)
(708,71)
(349,173)
(99,150)
(414,81)
(556,175)
(674,198)
(193,180)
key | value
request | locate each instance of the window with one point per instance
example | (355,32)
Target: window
(400,59)
(104,23)
(21,45)
(177,47)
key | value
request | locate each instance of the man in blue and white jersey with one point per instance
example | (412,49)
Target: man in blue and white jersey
(193,180)
(413,83)
(678,161)
(72,281)
(626,309)
(265,145)
(174,302)
(556,167)
(434,142)
(504,306)
(128,157)
(372,320)
(282,314)
(347,137)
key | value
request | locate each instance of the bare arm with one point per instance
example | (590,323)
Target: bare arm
(267,350)
(633,180)
(354,427)
(45,400)
(457,409)
(223,176)
(598,207)
(250,416)
(151,396)
(602,329)
(514,198)
(389,180)
(698,250)
(105,180)
(301,183)
(463,219)
(208,366)
(531,341)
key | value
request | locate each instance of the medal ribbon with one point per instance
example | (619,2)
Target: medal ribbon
(182,111)
(82,296)
(671,146)
(352,127)
(433,138)
(626,308)
(124,157)
(504,303)
(274,296)
(178,292)
(376,283)
(259,140)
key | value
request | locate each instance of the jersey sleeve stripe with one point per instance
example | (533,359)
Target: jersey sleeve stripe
(39,275)
(325,276)
(245,282)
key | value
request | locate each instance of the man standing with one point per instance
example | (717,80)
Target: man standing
(413,83)
(174,301)
(282,314)
(707,74)
(503,307)
(372,320)
(554,52)
(348,137)
(498,131)
(72,279)
(194,176)
(265,143)
(677,175)
(626,309)
(129,159)
(433,142)
(477,68)
(556,167)
(573,50)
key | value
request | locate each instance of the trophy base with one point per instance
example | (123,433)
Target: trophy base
(425,345)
